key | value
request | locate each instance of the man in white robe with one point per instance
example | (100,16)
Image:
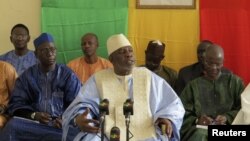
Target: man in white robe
(243,116)
(158,112)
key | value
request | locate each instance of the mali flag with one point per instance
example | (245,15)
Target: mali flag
(224,22)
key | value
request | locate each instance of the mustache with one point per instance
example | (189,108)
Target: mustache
(132,60)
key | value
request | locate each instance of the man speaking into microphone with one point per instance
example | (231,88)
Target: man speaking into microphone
(155,104)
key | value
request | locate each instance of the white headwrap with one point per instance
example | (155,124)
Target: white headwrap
(117,41)
(158,42)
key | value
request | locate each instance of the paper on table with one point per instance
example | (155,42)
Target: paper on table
(201,126)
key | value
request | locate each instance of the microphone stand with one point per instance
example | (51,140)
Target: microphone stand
(104,110)
(127,111)
(102,126)
(127,127)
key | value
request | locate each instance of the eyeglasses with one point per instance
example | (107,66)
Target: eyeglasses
(48,50)
(19,36)
(212,64)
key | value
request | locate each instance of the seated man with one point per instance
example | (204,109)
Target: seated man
(213,98)
(8,77)
(90,63)
(21,57)
(154,56)
(190,72)
(155,102)
(40,96)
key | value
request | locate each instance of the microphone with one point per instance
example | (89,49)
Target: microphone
(115,134)
(104,110)
(104,107)
(128,110)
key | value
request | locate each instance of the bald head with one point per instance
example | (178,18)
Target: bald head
(214,51)
(213,62)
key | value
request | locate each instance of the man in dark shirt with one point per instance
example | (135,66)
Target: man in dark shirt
(154,55)
(40,96)
(195,70)
(212,99)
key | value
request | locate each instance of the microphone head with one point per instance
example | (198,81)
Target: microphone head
(115,134)
(104,106)
(128,107)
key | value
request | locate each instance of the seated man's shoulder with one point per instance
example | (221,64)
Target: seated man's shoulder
(191,67)
(75,61)
(105,62)
(231,76)
(63,67)
(168,69)
(226,70)
(31,54)
(7,55)
(103,59)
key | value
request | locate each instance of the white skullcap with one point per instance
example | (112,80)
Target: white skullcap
(157,42)
(117,41)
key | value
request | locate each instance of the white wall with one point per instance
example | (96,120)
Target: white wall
(19,11)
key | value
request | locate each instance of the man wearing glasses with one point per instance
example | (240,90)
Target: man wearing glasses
(21,57)
(40,96)
(212,99)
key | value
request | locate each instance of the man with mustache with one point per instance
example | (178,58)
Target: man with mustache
(156,105)
(40,96)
